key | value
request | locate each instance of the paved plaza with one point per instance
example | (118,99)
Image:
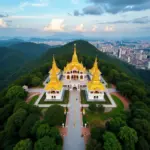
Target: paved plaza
(74,140)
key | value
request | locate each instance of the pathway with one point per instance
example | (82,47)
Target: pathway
(73,140)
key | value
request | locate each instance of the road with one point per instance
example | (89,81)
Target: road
(73,140)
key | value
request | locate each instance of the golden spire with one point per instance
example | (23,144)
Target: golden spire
(95,67)
(75,57)
(95,83)
(54,83)
(54,66)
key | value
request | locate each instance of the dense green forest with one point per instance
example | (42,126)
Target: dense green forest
(14,57)
(28,127)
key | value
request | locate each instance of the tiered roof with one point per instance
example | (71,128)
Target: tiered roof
(74,63)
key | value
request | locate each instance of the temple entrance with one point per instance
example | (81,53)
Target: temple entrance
(75,88)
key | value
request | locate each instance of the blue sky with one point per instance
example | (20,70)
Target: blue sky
(96,18)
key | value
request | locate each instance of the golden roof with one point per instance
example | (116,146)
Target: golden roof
(74,63)
(95,67)
(54,83)
(54,66)
(95,83)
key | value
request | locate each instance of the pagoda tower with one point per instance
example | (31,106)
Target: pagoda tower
(54,67)
(95,67)
(95,88)
(54,88)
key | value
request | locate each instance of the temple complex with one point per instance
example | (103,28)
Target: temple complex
(75,77)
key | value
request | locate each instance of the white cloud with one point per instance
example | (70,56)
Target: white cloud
(3,24)
(41,3)
(94,28)
(109,28)
(80,28)
(55,25)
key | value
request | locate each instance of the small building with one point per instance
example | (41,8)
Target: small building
(54,88)
(95,89)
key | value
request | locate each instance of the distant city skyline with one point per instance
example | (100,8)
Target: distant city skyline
(93,18)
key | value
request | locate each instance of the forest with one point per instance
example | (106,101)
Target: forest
(24,126)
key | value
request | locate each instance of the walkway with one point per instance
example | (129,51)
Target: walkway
(73,140)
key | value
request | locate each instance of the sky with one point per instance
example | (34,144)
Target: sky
(94,18)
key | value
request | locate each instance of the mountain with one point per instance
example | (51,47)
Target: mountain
(27,52)
(14,57)
(31,50)
(8,42)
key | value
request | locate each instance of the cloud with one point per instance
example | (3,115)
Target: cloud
(80,28)
(3,15)
(109,29)
(141,20)
(76,13)
(3,24)
(40,3)
(99,7)
(92,10)
(55,25)
(94,28)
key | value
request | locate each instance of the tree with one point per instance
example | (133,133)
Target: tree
(21,104)
(43,130)
(23,145)
(92,107)
(54,115)
(115,123)
(55,134)
(15,121)
(35,81)
(142,144)
(93,145)
(16,92)
(45,143)
(25,129)
(129,137)
(96,133)
(111,142)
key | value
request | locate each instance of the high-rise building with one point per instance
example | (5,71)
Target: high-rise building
(119,52)
(148,65)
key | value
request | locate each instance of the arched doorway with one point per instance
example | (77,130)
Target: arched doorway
(75,88)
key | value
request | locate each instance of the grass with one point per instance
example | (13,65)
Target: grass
(34,98)
(65,99)
(84,100)
(90,116)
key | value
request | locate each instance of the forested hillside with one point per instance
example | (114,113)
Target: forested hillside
(64,53)
(13,58)
(31,50)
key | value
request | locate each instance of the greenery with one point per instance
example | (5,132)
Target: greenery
(64,101)
(21,121)
(14,56)
(55,115)
(33,100)
(103,115)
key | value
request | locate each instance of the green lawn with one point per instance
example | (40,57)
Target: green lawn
(103,116)
(65,99)
(34,98)
(84,101)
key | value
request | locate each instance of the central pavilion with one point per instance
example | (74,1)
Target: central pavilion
(75,77)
